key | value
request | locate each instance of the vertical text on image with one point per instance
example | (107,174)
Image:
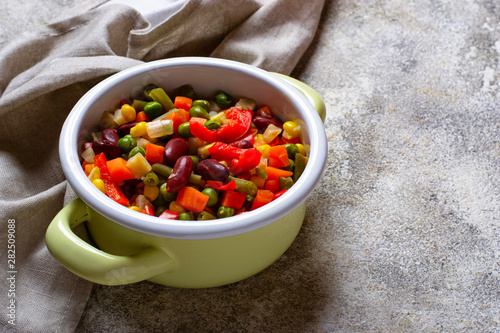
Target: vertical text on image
(11,271)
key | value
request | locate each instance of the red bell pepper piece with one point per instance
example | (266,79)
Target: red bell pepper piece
(249,136)
(279,194)
(113,191)
(273,185)
(148,210)
(233,199)
(246,162)
(292,140)
(168,214)
(238,125)
(217,185)
(141,116)
(224,152)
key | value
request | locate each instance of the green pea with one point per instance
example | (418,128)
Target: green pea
(212,124)
(169,197)
(198,111)
(224,211)
(223,100)
(291,150)
(184,130)
(186,90)
(203,103)
(127,143)
(153,110)
(151,179)
(137,150)
(185,216)
(213,197)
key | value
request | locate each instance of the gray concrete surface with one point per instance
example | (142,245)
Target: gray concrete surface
(403,232)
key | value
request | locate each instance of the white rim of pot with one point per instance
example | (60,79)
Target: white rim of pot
(230,226)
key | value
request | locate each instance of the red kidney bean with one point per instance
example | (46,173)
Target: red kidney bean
(125,129)
(110,135)
(174,149)
(262,122)
(244,144)
(212,170)
(180,175)
(111,150)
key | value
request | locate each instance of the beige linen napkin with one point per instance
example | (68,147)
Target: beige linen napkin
(42,76)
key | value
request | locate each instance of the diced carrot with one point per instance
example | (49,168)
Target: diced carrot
(233,199)
(87,167)
(275,173)
(185,116)
(141,116)
(262,198)
(273,185)
(118,170)
(192,199)
(278,156)
(182,102)
(154,153)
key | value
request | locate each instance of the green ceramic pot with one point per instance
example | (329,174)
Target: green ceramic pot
(134,247)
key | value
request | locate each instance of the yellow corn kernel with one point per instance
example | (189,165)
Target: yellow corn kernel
(175,207)
(134,208)
(151,192)
(302,149)
(100,185)
(139,130)
(95,174)
(128,113)
(259,137)
(264,150)
(292,129)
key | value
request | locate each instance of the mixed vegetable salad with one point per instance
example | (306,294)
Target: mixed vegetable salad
(193,159)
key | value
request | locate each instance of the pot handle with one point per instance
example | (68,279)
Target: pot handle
(311,95)
(93,264)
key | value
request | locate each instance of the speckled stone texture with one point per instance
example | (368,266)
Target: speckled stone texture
(403,232)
